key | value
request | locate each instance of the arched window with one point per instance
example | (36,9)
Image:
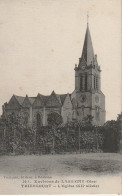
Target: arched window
(83,82)
(38,120)
(96,82)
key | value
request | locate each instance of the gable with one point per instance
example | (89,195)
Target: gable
(26,102)
(67,102)
(53,101)
(39,101)
(13,104)
(82,62)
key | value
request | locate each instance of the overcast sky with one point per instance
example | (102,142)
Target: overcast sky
(41,40)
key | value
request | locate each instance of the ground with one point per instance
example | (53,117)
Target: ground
(67,164)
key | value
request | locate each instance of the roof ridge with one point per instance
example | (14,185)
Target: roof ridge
(18,96)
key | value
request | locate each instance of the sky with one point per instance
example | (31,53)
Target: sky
(42,40)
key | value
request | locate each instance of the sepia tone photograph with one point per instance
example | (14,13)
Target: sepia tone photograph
(61,97)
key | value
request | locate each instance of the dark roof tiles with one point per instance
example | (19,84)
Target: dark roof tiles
(62,97)
(53,100)
(87,52)
(20,99)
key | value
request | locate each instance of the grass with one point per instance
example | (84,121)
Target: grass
(62,165)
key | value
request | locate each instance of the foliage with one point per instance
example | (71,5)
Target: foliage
(87,123)
(54,119)
(111,133)
(18,138)
(16,135)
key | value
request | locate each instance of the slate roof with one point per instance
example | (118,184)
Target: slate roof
(20,99)
(62,97)
(53,100)
(44,98)
(13,103)
(26,102)
(58,97)
(87,52)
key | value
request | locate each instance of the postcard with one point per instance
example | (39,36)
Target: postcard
(60,100)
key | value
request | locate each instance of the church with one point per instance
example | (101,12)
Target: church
(86,99)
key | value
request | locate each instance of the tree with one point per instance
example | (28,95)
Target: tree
(111,133)
(54,120)
(87,121)
(17,135)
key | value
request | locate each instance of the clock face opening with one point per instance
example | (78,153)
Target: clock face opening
(83,98)
(83,67)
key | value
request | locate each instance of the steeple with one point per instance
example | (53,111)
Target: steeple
(87,52)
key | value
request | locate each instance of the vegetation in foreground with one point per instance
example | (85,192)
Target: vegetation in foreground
(18,138)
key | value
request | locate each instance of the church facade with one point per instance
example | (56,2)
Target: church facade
(86,99)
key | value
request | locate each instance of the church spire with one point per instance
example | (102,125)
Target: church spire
(87,18)
(87,52)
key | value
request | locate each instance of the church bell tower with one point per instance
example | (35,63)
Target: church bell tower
(89,97)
